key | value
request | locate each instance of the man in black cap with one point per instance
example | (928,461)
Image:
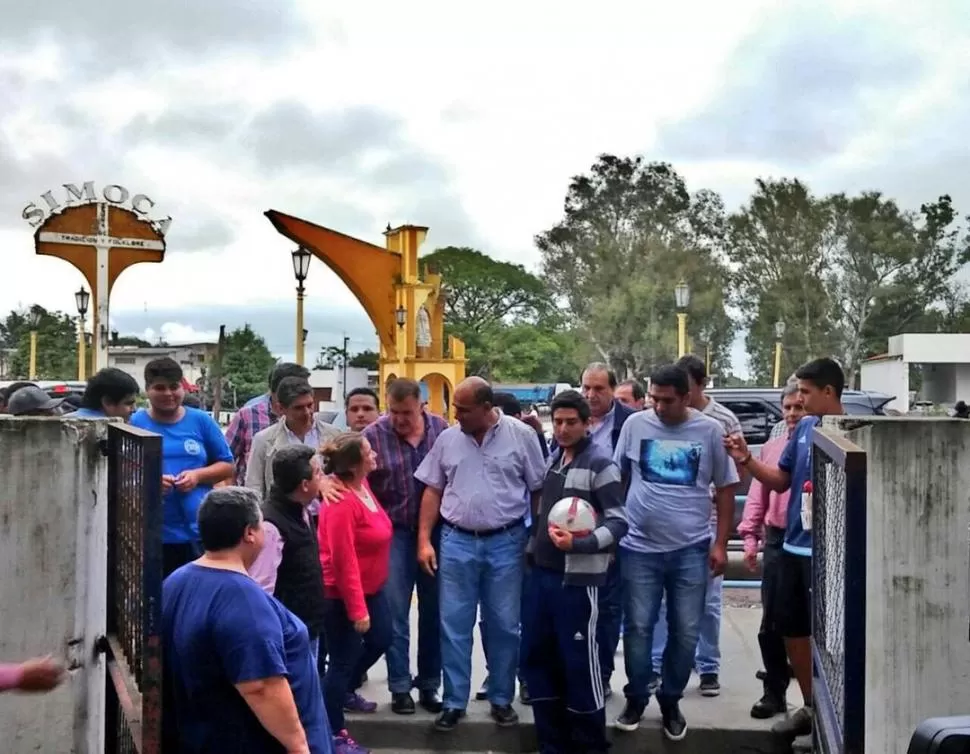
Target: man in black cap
(32,401)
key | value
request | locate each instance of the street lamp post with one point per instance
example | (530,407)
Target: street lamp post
(682,300)
(82,298)
(779,336)
(401,316)
(34,319)
(301,266)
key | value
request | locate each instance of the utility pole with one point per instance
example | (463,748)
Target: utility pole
(346,359)
(217,374)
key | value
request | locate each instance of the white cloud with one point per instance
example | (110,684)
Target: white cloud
(176,332)
(478,118)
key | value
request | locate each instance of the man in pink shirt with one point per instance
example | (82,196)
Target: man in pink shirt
(763,527)
(42,674)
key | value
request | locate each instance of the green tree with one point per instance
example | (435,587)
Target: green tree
(365,360)
(481,292)
(779,244)
(247,362)
(525,352)
(487,302)
(886,260)
(56,343)
(631,231)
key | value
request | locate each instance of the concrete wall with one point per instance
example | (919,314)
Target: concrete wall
(889,376)
(918,575)
(52,593)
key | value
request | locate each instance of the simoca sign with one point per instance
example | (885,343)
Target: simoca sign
(36,212)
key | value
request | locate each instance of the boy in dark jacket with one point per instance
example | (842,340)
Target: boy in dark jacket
(559,653)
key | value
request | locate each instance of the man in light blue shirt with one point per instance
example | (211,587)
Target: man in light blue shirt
(476,476)
(672,455)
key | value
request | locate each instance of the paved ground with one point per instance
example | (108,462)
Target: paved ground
(721,724)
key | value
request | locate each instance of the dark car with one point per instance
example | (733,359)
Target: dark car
(759,409)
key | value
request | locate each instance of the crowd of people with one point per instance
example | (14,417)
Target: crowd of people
(292,552)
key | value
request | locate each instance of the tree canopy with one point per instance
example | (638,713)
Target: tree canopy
(247,362)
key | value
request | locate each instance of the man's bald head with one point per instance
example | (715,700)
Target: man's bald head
(476,390)
(474,403)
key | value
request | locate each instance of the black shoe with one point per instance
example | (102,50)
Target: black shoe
(629,719)
(430,701)
(654,683)
(504,715)
(482,694)
(710,684)
(447,721)
(798,724)
(524,695)
(402,704)
(768,706)
(674,724)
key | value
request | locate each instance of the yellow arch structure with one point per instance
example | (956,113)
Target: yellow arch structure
(386,281)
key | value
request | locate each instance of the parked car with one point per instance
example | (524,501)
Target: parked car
(759,409)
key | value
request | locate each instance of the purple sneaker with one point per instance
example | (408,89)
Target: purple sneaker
(344,744)
(356,703)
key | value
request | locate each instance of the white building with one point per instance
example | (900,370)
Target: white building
(194,358)
(328,386)
(944,357)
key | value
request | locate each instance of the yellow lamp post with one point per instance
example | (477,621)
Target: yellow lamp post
(34,319)
(682,300)
(779,336)
(301,266)
(82,298)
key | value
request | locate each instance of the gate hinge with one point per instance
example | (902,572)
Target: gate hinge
(75,654)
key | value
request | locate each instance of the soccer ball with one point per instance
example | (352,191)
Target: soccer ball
(574,515)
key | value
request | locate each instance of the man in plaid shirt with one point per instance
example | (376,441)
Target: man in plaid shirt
(256,416)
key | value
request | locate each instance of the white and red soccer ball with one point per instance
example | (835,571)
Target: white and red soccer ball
(574,515)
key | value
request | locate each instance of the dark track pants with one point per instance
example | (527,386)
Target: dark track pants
(770,638)
(560,662)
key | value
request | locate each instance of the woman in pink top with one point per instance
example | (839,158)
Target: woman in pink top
(763,526)
(355,549)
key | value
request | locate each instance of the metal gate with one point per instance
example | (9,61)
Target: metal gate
(838,593)
(133,644)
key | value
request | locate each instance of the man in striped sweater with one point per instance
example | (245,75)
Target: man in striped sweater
(559,651)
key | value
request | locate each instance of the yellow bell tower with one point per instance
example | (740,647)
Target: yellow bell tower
(406,307)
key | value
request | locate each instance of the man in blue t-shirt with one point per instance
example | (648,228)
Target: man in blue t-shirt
(195,456)
(820,383)
(672,455)
(239,673)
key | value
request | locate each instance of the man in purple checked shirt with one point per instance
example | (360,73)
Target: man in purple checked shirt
(402,438)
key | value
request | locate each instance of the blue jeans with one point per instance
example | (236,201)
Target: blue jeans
(682,577)
(351,654)
(403,576)
(707,659)
(488,571)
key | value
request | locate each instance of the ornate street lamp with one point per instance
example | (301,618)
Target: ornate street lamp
(81,299)
(401,316)
(779,337)
(682,300)
(301,267)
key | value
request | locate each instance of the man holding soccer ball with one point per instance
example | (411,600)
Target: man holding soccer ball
(580,520)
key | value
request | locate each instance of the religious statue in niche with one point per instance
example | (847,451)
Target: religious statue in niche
(423,338)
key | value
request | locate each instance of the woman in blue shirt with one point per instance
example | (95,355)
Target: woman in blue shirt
(195,456)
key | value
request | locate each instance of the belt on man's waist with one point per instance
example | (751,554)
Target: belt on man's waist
(485,532)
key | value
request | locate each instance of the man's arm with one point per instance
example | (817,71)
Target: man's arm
(776,478)
(256,464)
(271,700)
(237,435)
(217,453)
(429,514)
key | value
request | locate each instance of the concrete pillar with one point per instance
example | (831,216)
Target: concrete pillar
(53,484)
(918,574)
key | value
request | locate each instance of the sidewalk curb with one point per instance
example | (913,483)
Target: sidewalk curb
(482,735)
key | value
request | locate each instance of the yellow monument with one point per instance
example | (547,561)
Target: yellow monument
(406,307)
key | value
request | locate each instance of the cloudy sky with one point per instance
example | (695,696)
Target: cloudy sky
(467,118)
